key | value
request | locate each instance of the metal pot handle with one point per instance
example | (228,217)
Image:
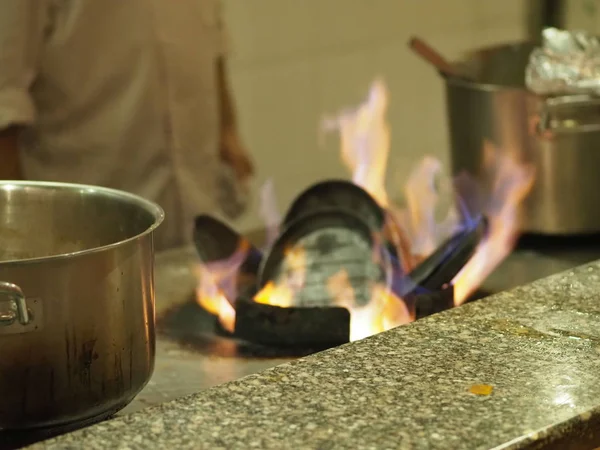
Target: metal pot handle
(18,305)
(545,125)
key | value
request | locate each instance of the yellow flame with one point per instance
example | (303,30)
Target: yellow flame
(217,285)
(220,307)
(383,312)
(282,293)
(277,295)
(365,141)
(415,230)
(512,182)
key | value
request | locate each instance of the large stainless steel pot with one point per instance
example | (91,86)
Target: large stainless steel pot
(76,302)
(559,136)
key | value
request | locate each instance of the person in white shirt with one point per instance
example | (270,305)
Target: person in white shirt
(128,94)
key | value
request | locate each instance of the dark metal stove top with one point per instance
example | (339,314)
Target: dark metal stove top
(189,362)
(185,366)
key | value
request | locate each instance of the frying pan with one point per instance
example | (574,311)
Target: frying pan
(216,241)
(449,258)
(334,240)
(337,194)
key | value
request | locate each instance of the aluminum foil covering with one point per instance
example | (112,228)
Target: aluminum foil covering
(567,62)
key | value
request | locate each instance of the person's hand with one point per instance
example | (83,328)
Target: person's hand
(233,153)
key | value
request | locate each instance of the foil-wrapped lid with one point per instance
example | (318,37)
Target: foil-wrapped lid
(567,62)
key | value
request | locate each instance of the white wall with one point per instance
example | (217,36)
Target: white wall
(582,15)
(294,60)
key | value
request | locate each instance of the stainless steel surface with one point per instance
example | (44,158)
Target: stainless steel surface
(563,149)
(181,370)
(77,297)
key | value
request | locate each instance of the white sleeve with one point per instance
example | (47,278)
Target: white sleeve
(22,24)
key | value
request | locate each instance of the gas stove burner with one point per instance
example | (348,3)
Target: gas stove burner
(196,329)
(288,296)
(425,302)
(317,327)
(449,258)
(265,331)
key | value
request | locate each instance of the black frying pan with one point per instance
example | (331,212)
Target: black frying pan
(449,258)
(337,194)
(216,241)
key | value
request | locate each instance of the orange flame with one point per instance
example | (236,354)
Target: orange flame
(365,145)
(383,312)
(217,285)
(275,294)
(219,306)
(365,141)
(415,230)
(511,184)
(282,293)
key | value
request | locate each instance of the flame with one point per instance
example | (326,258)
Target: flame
(383,312)
(340,289)
(511,184)
(365,141)
(217,285)
(219,306)
(282,293)
(420,216)
(295,259)
(269,212)
(415,230)
(276,295)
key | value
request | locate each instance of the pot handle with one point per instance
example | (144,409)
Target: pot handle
(16,298)
(554,114)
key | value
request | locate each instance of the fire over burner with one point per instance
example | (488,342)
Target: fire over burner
(318,243)
(196,329)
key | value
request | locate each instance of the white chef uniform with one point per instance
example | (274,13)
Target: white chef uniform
(117,93)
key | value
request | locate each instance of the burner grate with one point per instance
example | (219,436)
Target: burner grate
(331,227)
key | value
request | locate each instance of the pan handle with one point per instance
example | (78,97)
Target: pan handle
(18,306)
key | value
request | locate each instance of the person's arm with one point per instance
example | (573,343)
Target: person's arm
(226,106)
(22,26)
(10,167)
(232,150)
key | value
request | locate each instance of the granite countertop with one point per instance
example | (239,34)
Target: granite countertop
(517,370)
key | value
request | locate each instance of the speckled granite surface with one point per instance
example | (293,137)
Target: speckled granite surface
(538,347)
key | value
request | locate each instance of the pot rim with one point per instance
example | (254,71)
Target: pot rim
(151,207)
(486,87)
(476,85)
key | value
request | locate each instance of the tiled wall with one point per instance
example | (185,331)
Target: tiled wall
(294,60)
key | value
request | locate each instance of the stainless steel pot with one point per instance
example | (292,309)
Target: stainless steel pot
(76,302)
(559,136)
